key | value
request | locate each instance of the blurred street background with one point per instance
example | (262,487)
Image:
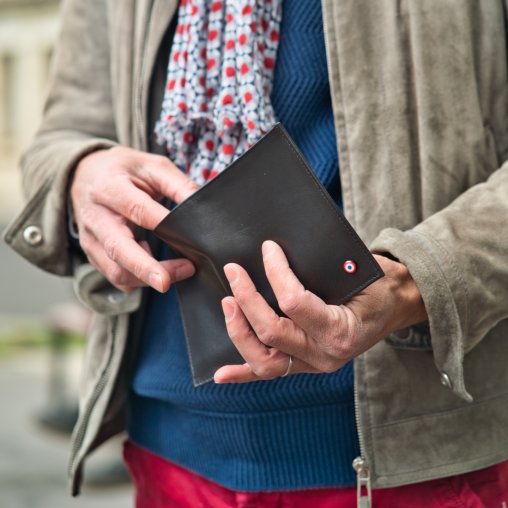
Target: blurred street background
(41,323)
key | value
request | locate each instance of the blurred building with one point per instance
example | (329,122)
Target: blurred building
(28,30)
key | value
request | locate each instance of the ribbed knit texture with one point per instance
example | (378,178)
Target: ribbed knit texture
(301,92)
(289,433)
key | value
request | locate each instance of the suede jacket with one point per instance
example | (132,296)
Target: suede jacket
(420,101)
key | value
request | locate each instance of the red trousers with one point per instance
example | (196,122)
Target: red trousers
(161,484)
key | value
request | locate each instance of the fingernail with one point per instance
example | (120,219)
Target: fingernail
(231,274)
(217,377)
(228,309)
(155,280)
(267,248)
(184,271)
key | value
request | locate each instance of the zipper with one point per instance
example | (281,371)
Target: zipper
(363,487)
(84,420)
(364,491)
(360,465)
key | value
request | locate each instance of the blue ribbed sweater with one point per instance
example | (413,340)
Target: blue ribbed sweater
(289,433)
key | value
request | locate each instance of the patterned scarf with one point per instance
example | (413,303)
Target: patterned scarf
(220,73)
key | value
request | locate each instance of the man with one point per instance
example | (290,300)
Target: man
(420,105)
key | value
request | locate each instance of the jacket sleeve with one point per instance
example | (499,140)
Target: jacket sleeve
(458,257)
(78,119)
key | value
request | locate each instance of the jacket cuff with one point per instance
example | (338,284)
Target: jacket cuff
(429,264)
(39,233)
(98,294)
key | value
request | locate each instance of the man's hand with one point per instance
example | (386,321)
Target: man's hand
(113,190)
(319,337)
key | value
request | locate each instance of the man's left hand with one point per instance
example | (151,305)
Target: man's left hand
(318,337)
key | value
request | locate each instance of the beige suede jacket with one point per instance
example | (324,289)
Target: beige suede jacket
(420,99)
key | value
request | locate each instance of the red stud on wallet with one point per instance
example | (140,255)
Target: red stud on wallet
(269,193)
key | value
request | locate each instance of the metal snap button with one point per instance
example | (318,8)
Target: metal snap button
(33,235)
(117,297)
(445,380)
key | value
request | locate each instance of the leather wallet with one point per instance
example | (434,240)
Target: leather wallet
(269,193)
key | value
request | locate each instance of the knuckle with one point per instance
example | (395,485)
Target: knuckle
(159,172)
(95,194)
(329,365)
(136,212)
(190,185)
(264,371)
(115,150)
(85,215)
(243,294)
(161,160)
(268,336)
(86,243)
(112,248)
(137,270)
(338,350)
(120,151)
(115,274)
(290,303)
(185,190)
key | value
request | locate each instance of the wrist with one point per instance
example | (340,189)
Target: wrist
(82,164)
(407,306)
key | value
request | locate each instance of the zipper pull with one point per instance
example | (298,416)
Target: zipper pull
(363,488)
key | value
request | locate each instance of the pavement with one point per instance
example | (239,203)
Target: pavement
(32,461)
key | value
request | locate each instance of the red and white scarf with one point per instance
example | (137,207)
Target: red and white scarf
(220,74)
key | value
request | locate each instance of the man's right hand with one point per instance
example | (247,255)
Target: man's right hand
(113,190)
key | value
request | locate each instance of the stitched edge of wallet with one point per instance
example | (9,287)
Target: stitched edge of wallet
(352,233)
(279,128)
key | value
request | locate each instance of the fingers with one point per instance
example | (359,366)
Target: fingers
(171,182)
(115,189)
(335,328)
(112,249)
(135,193)
(134,204)
(266,363)
(262,362)
(119,277)
(272,330)
(323,336)
(235,374)
(130,183)
(178,269)
(306,309)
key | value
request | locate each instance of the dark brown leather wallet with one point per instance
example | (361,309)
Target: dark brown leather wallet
(269,193)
